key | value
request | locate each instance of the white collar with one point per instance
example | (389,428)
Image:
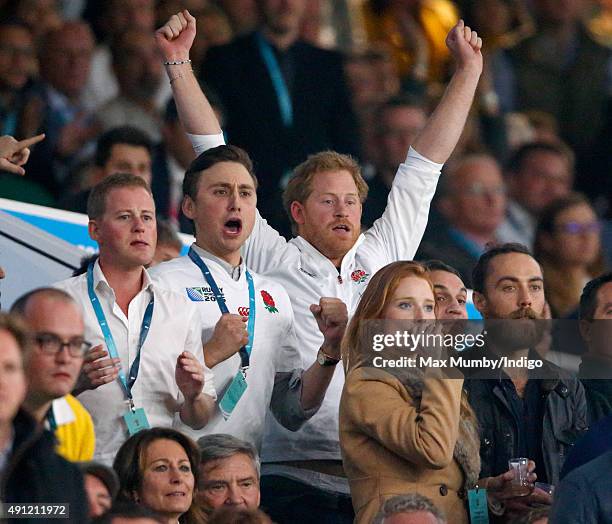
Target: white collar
(322,264)
(62,412)
(235,272)
(99,279)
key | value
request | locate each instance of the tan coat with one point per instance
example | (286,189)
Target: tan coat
(389,448)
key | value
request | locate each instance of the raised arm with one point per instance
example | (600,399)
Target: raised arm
(439,137)
(174,40)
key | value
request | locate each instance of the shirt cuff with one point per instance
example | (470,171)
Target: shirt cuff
(286,403)
(418,160)
(201,143)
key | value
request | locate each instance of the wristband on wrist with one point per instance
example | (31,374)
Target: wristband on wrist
(177,62)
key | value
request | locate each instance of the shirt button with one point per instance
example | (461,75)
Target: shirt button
(443,490)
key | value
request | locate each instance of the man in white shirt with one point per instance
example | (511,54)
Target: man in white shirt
(162,380)
(329,257)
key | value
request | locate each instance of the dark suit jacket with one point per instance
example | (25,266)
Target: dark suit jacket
(322,114)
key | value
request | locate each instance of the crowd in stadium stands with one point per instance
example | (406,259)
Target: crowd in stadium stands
(343,165)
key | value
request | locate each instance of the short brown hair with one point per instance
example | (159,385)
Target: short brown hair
(208,159)
(300,186)
(96,203)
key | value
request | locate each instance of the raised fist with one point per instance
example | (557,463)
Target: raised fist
(465,45)
(229,336)
(175,37)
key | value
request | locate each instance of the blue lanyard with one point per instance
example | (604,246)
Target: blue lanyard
(108,336)
(278,80)
(51,419)
(245,351)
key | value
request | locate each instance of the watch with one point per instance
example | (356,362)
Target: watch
(325,360)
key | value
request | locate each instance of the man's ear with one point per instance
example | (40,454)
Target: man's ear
(188,207)
(297,212)
(480,303)
(93,229)
(585,327)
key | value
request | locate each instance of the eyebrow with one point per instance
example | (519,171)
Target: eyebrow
(337,194)
(229,186)
(515,279)
(412,298)
(444,288)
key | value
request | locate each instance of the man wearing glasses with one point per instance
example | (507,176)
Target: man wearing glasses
(53,367)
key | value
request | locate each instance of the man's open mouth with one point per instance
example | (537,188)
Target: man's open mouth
(233,227)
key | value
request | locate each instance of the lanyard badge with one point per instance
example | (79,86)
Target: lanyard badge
(135,418)
(238,386)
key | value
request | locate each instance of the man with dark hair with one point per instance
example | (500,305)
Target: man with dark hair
(521,413)
(398,122)
(537,173)
(119,150)
(162,380)
(329,258)
(53,368)
(596,330)
(30,469)
(229,473)
(449,289)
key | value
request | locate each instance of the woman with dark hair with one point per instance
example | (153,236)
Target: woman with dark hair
(568,246)
(402,431)
(158,469)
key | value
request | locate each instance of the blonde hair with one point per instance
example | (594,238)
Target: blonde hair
(300,185)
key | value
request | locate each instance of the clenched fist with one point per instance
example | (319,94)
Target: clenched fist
(175,37)
(331,315)
(229,336)
(465,45)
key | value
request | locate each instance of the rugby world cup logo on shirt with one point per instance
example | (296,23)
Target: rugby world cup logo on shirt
(268,302)
(202,294)
(359,276)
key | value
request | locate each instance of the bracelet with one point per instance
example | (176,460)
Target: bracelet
(178,62)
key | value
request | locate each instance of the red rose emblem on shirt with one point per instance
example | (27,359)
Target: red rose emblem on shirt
(359,275)
(268,302)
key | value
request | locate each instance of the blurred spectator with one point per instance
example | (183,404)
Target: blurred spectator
(213,29)
(243,14)
(284,99)
(169,244)
(119,150)
(113,19)
(415,31)
(502,24)
(155,462)
(568,246)
(600,22)
(164,9)
(594,443)
(130,513)
(520,414)
(472,202)
(30,470)
(545,126)
(409,509)
(551,67)
(59,109)
(139,75)
(398,122)
(229,473)
(596,367)
(57,323)
(41,16)
(18,64)
(536,174)
(584,495)
(101,485)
